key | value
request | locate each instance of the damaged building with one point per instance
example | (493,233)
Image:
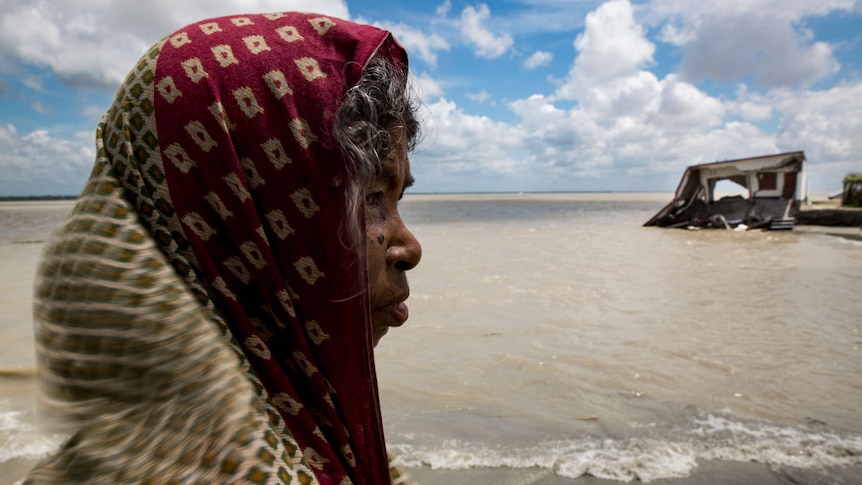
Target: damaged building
(773,188)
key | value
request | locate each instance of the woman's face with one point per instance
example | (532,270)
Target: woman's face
(392,249)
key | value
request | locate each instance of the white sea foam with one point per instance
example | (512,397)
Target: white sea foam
(608,459)
(713,438)
(19,440)
(726,439)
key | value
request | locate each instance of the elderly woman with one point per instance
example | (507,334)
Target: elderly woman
(208,312)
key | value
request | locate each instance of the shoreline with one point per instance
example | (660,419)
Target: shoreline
(705,473)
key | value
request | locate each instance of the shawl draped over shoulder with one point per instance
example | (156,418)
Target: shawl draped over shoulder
(203,315)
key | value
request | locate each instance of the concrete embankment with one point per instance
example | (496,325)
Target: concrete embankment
(830,215)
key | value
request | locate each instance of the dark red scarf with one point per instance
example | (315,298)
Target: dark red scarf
(244,109)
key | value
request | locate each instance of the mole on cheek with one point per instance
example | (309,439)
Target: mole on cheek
(380,238)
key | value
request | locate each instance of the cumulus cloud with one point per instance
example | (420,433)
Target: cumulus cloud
(96,47)
(826,124)
(766,40)
(563,141)
(612,45)
(749,106)
(809,119)
(683,106)
(485,42)
(626,121)
(613,118)
(626,118)
(464,152)
(426,87)
(777,55)
(538,59)
(417,43)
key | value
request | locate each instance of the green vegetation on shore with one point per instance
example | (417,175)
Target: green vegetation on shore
(852,190)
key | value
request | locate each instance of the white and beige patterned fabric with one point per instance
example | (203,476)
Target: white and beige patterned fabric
(203,315)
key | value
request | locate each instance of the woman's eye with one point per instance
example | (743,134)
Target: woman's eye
(373,198)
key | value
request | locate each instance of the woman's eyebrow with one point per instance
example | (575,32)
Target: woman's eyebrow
(392,178)
(408,182)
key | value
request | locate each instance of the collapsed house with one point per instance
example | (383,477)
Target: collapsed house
(775,187)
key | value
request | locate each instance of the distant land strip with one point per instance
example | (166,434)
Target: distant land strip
(18,198)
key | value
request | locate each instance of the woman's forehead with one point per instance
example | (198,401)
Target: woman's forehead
(395,167)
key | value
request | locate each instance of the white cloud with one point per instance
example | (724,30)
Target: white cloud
(444,8)
(40,163)
(626,96)
(750,107)
(626,118)
(96,46)
(676,35)
(828,122)
(460,137)
(463,152)
(776,53)
(479,97)
(33,82)
(416,42)
(486,43)
(753,111)
(40,34)
(777,9)
(588,144)
(426,87)
(538,59)
(626,122)
(766,39)
(563,142)
(685,107)
(39,108)
(612,45)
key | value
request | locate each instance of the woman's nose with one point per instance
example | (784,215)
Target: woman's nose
(405,251)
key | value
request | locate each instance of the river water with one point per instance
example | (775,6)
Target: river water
(555,340)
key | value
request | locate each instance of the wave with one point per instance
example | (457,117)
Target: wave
(22,441)
(643,458)
(648,458)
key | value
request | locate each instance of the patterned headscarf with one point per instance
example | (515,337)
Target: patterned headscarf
(222,139)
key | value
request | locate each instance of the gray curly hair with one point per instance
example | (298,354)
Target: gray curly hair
(369,114)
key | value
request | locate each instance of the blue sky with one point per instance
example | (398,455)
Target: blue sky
(518,95)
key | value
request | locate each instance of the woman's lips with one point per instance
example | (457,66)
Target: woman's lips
(386,316)
(395,314)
